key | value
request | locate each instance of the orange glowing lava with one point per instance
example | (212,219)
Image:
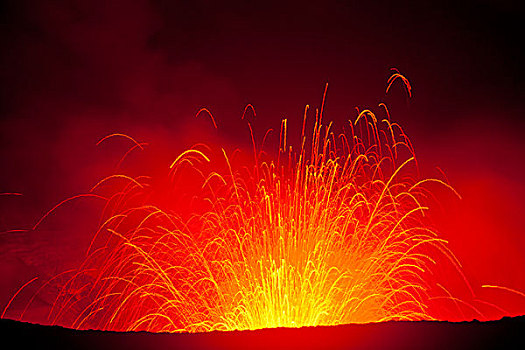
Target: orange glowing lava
(331,231)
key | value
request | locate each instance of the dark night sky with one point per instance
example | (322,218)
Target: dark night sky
(75,71)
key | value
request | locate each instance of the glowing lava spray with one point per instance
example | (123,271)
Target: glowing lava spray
(331,232)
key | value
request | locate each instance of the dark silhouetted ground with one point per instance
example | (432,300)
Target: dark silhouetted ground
(502,334)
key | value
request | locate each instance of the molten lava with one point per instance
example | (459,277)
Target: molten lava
(329,232)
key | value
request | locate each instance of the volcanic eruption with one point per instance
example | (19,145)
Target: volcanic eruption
(331,231)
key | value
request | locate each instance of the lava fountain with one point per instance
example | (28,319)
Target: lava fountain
(332,231)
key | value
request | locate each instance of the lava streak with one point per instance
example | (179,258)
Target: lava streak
(333,231)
